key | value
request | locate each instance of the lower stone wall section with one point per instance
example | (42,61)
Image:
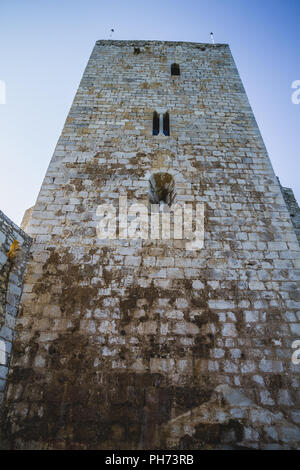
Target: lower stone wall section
(14,254)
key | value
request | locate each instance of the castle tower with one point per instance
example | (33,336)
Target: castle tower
(135,343)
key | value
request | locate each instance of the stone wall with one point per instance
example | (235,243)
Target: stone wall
(14,251)
(293,208)
(26,219)
(131,344)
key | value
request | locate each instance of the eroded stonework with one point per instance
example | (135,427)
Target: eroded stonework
(142,344)
(293,209)
(14,254)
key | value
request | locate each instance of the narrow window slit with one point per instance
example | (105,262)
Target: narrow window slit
(166,124)
(175,69)
(155,130)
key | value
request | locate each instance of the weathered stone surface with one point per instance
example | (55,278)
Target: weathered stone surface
(293,208)
(14,253)
(129,344)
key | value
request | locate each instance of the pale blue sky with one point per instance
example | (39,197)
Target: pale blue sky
(45,45)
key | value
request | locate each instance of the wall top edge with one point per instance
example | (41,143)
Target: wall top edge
(112,42)
(9,222)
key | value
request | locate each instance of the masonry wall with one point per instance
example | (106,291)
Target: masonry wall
(12,267)
(131,344)
(293,208)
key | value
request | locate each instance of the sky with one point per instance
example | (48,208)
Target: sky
(45,46)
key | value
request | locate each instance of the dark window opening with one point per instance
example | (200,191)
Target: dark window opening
(175,69)
(166,124)
(155,123)
(161,189)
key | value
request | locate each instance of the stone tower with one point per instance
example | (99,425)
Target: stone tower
(142,343)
